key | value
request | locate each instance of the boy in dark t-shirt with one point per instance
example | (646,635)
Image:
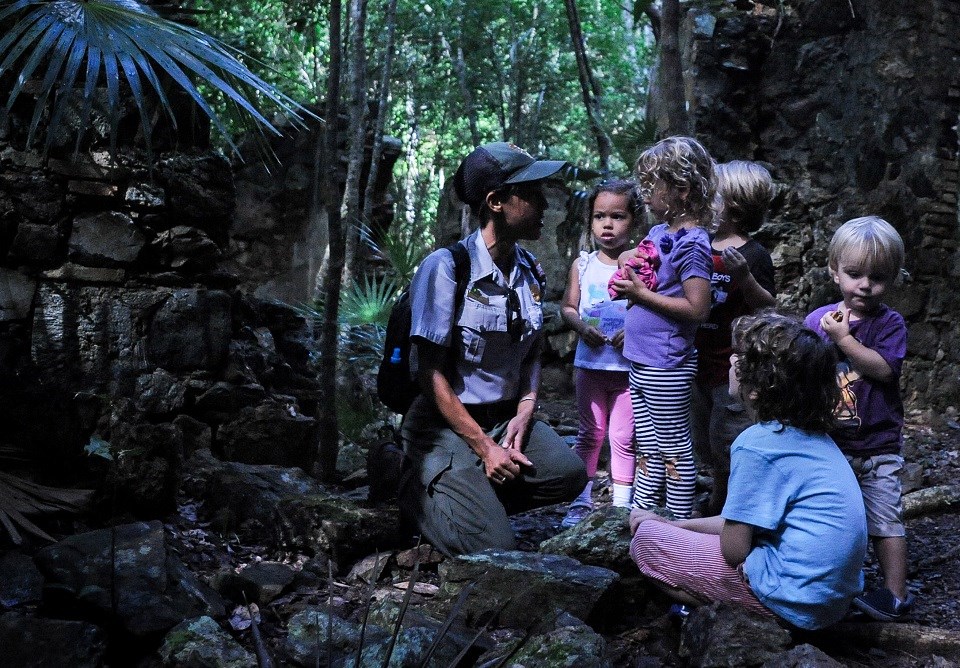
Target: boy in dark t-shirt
(865,258)
(741,283)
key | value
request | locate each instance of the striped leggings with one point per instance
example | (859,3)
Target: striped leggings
(661,419)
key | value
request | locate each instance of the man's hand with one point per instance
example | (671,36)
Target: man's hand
(502,464)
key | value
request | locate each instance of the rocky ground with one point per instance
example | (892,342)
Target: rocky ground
(639,636)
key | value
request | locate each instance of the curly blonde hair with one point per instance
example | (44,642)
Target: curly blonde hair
(682,163)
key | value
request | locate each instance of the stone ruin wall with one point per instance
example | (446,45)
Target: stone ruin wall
(854,115)
(127,312)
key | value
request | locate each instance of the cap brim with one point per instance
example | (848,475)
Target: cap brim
(541,169)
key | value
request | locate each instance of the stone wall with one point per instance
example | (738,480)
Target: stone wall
(119,324)
(854,107)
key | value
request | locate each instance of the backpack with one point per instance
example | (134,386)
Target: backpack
(396,389)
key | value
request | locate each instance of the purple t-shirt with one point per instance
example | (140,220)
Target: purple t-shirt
(870,413)
(653,338)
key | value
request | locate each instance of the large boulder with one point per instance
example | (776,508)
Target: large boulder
(331,525)
(273,432)
(30,641)
(105,239)
(201,643)
(308,632)
(575,646)
(126,575)
(508,583)
(601,539)
(245,496)
(719,635)
(20,581)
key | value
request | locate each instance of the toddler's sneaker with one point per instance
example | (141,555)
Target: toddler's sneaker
(881,604)
(576,513)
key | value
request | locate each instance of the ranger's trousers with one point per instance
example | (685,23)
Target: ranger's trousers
(445,493)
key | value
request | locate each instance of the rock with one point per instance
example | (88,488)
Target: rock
(145,196)
(425,554)
(350,458)
(184,248)
(35,242)
(368,569)
(226,397)
(201,643)
(106,238)
(32,641)
(507,581)
(601,539)
(196,435)
(127,568)
(411,648)
(568,647)
(20,581)
(911,477)
(721,635)
(160,393)
(191,330)
(802,656)
(16,295)
(327,524)
(308,630)
(245,496)
(258,583)
(77,273)
(273,432)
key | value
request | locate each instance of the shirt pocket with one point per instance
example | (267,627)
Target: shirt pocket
(475,321)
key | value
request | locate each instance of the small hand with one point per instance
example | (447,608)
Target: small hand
(638,515)
(836,324)
(735,263)
(592,336)
(631,287)
(617,340)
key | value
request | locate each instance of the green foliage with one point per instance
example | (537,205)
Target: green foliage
(135,49)
(368,302)
(97,447)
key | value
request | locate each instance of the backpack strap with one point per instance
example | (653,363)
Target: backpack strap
(461,270)
(538,271)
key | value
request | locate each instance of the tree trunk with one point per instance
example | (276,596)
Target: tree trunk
(357,133)
(588,86)
(327,414)
(939,499)
(460,70)
(383,99)
(673,118)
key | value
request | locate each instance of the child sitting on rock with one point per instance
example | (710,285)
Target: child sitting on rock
(792,536)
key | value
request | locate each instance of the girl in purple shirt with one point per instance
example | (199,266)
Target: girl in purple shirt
(678,185)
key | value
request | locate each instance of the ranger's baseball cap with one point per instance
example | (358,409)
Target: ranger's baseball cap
(492,166)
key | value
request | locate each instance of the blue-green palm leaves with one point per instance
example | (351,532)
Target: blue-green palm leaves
(57,44)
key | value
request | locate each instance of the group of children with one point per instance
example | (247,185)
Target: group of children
(674,365)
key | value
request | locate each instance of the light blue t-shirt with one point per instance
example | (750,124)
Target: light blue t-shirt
(810,532)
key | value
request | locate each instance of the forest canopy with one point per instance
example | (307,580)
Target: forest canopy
(464,73)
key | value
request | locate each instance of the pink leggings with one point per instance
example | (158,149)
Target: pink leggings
(603,402)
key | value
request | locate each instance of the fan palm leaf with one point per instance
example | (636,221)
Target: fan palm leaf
(125,43)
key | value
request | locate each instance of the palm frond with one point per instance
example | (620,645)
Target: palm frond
(401,247)
(129,46)
(368,302)
(19,497)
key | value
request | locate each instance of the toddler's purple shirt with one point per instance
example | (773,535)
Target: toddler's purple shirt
(870,412)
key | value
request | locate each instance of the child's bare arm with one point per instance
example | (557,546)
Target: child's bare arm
(736,539)
(754,294)
(694,305)
(570,311)
(865,360)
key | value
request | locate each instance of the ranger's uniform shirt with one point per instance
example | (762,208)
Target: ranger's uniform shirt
(492,364)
